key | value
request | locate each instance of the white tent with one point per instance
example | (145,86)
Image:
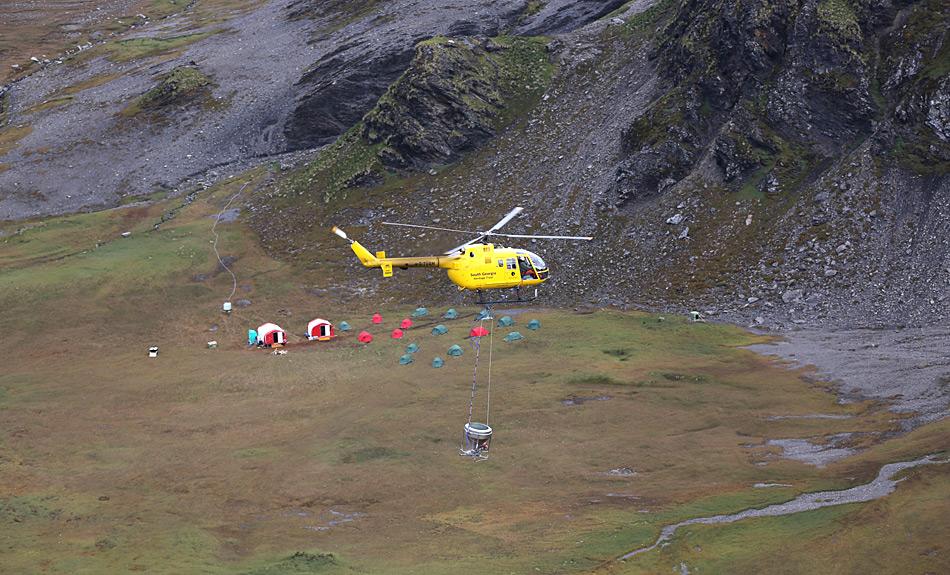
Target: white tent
(270,334)
(320,329)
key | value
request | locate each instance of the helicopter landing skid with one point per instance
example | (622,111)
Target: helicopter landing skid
(480,299)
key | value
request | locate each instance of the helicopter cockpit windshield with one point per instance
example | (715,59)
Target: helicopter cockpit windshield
(538,263)
(532,266)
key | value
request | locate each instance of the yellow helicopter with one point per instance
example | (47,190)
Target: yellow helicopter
(473,265)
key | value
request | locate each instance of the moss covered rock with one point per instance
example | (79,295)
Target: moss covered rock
(455,95)
(182,85)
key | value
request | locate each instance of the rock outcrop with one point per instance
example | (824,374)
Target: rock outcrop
(345,84)
(775,88)
(180,86)
(453,96)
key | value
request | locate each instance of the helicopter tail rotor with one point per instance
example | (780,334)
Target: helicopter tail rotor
(341,233)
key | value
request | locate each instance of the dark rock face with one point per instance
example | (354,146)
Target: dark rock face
(452,97)
(765,85)
(3,105)
(428,117)
(558,16)
(339,89)
(914,75)
(824,77)
(726,48)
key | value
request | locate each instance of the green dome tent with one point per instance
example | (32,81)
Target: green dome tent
(506,321)
(514,336)
(455,351)
(440,330)
(405,360)
(534,325)
(451,314)
(420,312)
(438,362)
(412,348)
(343,326)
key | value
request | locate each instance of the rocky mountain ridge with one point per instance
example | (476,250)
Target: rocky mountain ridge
(776,163)
(288,76)
(750,178)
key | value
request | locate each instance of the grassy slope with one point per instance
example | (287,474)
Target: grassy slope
(50,28)
(230,461)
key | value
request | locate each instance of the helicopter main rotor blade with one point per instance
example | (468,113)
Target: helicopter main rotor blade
(474,232)
(508,217)
(586,238)
(488,235)
(490,232)
(480,235)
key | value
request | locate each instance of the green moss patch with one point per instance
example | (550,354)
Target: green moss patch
(348,162)
(139,48)
(837,17)
(49,104)
(182,85)
(299,563)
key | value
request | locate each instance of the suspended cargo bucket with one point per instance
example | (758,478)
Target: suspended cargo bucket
(477,438)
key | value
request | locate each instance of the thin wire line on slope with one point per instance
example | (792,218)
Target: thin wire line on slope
(214,244)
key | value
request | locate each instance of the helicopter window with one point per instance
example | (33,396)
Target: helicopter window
(511,264)
(527,272)
(538,262)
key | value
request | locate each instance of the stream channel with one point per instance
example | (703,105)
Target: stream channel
(883,485)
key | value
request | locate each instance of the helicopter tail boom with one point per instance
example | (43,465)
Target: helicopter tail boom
(379,260)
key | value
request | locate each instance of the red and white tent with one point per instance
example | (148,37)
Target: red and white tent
(320,329)
(270,334)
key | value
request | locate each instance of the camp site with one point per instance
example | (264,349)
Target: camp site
(557,287)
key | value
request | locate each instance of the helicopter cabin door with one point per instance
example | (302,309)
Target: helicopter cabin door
(526,270)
